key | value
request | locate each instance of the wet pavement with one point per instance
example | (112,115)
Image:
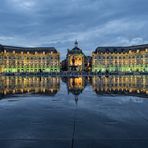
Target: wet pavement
(68,120)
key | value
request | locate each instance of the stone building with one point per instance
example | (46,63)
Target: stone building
(75,59)
(20,59)
(120,59)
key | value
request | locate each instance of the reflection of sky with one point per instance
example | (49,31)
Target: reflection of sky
(129,99)
(107,110)
(58,23)
(115,107)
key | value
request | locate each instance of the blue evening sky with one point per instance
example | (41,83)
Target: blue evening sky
(59,23)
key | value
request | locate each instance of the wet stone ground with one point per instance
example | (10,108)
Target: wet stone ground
(67,121)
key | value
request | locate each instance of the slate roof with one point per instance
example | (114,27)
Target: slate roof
(1,47)
(75,50)
(27,49)
(120,49)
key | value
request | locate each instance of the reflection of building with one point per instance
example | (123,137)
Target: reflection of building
(75,85)
(18,59)
(120,84)
(75,59)
(122,59)
(37,85)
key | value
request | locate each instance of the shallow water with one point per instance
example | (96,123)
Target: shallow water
(80,112)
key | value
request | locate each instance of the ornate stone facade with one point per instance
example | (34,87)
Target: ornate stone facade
(18,59)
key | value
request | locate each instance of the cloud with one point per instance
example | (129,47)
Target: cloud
(6,38)
(22,4)
(58,23)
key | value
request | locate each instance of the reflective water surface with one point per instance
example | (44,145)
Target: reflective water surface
(74,112)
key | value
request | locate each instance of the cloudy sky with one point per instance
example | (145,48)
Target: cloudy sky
(59,23)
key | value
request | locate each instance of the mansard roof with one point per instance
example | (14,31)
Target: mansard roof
(1,47)
(75,50)
(121,49)
(28,49)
